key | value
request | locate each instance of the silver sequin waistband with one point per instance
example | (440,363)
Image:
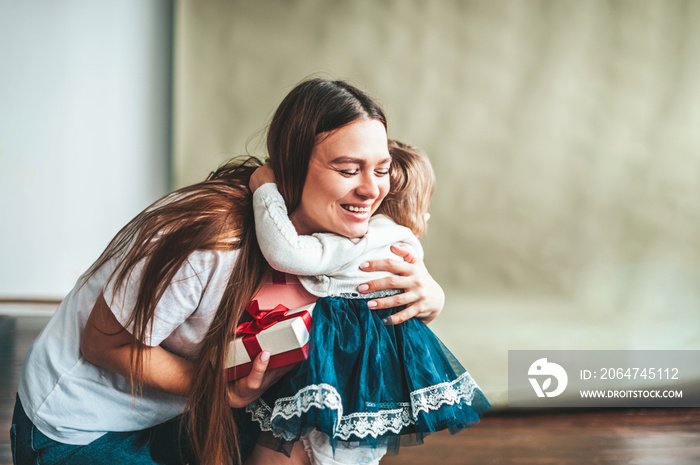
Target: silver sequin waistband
(371,295)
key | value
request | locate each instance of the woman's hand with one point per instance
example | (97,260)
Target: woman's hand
(261,176)
(245,390)
(422,295)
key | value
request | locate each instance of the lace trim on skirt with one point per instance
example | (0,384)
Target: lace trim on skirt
(362,424)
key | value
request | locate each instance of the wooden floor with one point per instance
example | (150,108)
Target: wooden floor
(642,437)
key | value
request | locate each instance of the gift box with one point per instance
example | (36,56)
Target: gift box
(281,331)
(281,319)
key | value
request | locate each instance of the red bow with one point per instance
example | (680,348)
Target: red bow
(262,319)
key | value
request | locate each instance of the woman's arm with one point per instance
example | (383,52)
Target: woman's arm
(423,296)
(107,344)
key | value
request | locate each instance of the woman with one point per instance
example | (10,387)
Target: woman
(138,341)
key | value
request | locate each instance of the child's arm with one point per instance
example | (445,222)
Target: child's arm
(287,251)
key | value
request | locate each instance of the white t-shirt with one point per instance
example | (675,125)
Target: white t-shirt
(73,401)
(327,264)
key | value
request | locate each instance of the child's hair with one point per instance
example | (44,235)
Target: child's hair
(412,186)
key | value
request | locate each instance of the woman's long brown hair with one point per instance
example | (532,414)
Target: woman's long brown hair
(214,214)
(217,214)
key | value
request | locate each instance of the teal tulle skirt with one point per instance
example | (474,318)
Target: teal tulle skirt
(369,384)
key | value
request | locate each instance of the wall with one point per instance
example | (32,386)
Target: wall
(84,132)
(563,135)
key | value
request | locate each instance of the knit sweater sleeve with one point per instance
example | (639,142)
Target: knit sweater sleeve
(289,252)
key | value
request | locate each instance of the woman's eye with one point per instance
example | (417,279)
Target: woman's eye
(382,172)
(349,172)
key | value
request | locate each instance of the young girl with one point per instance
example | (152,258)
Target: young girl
(366,382)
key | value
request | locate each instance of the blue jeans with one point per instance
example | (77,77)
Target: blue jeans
(160,444)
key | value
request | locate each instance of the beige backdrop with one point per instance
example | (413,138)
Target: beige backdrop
(564,135)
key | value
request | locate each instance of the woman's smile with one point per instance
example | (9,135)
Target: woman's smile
(358,213)
(358,209)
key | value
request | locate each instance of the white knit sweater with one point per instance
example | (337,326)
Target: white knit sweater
(327,264)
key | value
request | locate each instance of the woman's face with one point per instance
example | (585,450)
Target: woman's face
(348,178)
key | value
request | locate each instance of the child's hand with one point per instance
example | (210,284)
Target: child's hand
(261,176)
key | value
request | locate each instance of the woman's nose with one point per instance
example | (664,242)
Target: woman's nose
(368,187)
